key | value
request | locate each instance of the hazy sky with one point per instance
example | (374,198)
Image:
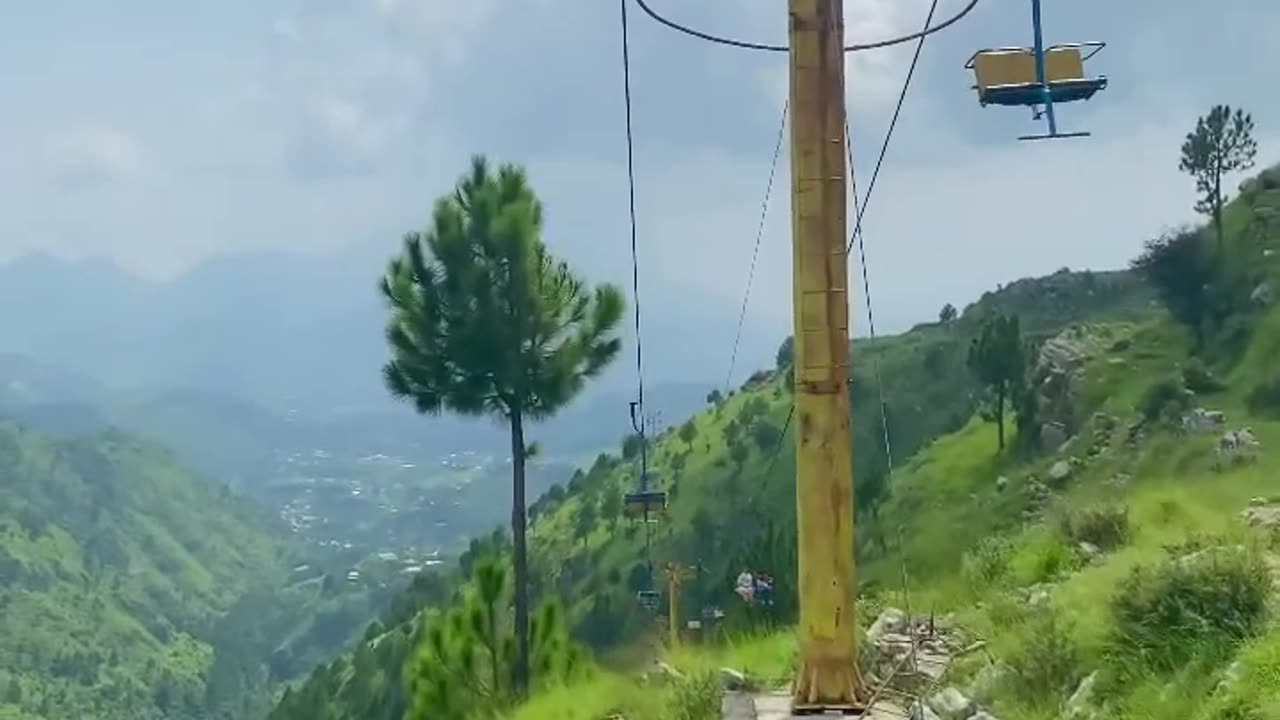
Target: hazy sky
(160,133)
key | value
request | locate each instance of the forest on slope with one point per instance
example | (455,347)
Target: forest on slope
(132,589)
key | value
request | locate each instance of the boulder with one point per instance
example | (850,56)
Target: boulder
(1002,482)
(732,680)
(1265,516)
(891,620)
(1080,703)
(664,671)
(951,704)
(986,683)
(920,711)
(1060,471)
(1053,436)
(1200,420)
(1262,295)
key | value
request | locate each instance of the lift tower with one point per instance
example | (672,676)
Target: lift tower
(827,678)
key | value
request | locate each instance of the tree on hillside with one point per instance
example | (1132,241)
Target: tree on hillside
(689,432)
(731,432)
(611,503)
(466,655)
(765,434)
(584,521)
(996,360)
(484,321)
(786,353)
(947,313)
(1181,271)
(1221,143)
(631,446)
(714,397)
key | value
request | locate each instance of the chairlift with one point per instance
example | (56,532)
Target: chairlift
(649,600)
(645,503)
(1036,77)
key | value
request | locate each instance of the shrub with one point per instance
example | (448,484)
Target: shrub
(1198,379)
(1046,664)
(1264,399)
(696,697)
(1164,616)
(1164,399)
(1045,558)
(1105,526)
(988,562)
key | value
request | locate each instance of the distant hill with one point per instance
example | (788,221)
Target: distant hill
(286,331)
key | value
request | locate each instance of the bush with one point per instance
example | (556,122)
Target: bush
(987,563)
(695,698)
(1106,526)
(1163,399)
(1264,399)
(1044,559)
(1198,379)
(1046,665)
(1164,616)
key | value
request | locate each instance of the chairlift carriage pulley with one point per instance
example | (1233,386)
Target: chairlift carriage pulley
(1036,77)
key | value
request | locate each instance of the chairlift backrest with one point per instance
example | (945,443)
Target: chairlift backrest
(1017,66)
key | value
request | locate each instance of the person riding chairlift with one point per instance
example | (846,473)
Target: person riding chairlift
(746,586)
(764,589)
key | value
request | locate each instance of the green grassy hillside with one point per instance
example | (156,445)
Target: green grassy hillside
(977,529)
(114,568)
(731,488)
(1124,556)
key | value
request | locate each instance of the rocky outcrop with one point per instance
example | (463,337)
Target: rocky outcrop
(1200,420)
(1237,447)
(1058,376)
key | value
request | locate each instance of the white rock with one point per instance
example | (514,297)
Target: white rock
(666,670)
(1079,702)
(987,681)
(731,679)
(951,704)
(1060,471)
(891,620)
(1262,295)
(920,711)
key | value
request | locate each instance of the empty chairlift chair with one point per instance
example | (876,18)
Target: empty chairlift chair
(646,504)
(1036,77)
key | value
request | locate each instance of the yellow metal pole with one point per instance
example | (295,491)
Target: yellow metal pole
(827,677)
(673,613)
(675,577)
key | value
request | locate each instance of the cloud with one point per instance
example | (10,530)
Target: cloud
(339,122)
(87,158)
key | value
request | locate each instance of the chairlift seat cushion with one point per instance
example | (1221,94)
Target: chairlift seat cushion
(1026,94)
